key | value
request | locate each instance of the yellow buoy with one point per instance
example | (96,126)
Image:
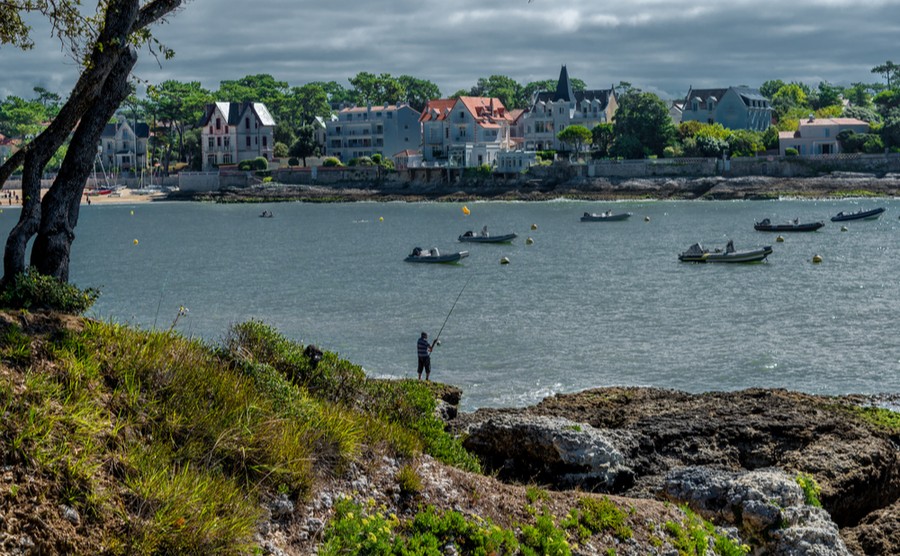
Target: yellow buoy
(780,239)
(843,228)
(816,259)
(504,260)
(529,241)
(135,242)
(381,218)
(132,213)
(466,210)
(646,219)
(534,226)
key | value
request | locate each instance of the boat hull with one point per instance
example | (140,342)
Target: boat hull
(806,227)
(506,238)
(611,218)
(751,256)
(440,259)
(873,214)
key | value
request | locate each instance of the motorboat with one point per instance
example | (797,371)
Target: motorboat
(420,255)
(607,216)
(871,214)
(793,226)
(697,254)
(472,237)
(266,214)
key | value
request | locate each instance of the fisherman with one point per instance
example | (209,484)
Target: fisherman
(484,232)
(730,247)
(423,349)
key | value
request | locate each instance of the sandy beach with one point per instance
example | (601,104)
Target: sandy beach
(13,198)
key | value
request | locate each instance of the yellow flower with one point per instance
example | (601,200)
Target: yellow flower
(372,537)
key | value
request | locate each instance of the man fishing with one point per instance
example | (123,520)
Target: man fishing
(423,348)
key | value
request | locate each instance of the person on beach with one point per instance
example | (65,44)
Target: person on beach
(423,349)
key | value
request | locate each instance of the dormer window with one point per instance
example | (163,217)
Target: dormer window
(218,123)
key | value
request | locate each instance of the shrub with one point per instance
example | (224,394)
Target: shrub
(810,488)
(546,155)
(293,161)
(260,163)
(409,481)
(790,151)
(332,162)
(594,515)
(32,290)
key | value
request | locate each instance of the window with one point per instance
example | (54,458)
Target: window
(227,141)
(227,158)
(246,123)
(212,142)
(265,141)
(248,140)
(219,141)
(211,160)
(447,133)
(218,123)
(210,130)
(226,129)
(390,115)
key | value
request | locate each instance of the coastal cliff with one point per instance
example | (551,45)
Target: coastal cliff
(121,441)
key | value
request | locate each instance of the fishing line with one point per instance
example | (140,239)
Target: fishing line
(451,309)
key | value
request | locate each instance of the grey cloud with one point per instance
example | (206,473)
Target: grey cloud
(662,46)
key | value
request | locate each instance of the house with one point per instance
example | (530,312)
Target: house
(467,131)
(733,108)
(365,131)
(320,132)
(123,147)
(406,159)
(819,135)
(676,108)
(232,132)
(553,111)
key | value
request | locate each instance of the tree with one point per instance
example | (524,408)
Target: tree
(178,105)
(535,87)
(502,87)
(377,89)
(789,97)
(890,131)
(770,87)
(858,95)
(305,145)
(105,45)
(861,113)
(890,71)
(256,88)
(827,95)
(887,101)
(577,136)
(418,91)
(21,118)
(337,93)
(49,100)
(304,104)
(602,137)
(642,125)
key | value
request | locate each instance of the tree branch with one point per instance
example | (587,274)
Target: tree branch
(154,11)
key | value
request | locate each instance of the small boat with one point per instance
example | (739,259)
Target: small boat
(266,214)
(472,237)
(697,254)
(795,226)
(420,255)
(871,214)
(607,216)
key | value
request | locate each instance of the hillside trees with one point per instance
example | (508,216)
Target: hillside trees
(174,108)
(418,91)
(106,47)
(642,125)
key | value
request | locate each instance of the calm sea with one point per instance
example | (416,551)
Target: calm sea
(587,305)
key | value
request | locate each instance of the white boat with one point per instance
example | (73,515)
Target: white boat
(420,255)
(607,216)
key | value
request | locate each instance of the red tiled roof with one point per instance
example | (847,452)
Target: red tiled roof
(486,110)
(442,106)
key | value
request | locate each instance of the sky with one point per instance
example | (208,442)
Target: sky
(662,46)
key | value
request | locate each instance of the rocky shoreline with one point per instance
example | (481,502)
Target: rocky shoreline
(835,185)
(733,457)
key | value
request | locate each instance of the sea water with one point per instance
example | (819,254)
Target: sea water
(586,305)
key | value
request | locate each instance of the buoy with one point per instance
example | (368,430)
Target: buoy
(816,259)
(132,213)
(534,226)
(529,241)
(504,260)
(381,218)
(466,210)
(135,242)
(843,228)
(646,219)
(780,239)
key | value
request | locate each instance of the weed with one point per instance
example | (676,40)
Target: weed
(32,290)
(810,488)
(595,515)
(15,345)
(695,536)
(533,494)
(409,481)
(544,538)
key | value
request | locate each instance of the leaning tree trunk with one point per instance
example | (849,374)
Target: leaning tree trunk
(59,208)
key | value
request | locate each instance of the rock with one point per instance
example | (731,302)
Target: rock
(549,450)
(70,514)
(877,533)
(767,506)
(281,507)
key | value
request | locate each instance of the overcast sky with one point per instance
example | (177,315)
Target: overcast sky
(663,46)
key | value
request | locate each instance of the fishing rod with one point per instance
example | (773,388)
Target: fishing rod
(451,310)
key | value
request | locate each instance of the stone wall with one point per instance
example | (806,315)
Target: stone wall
(198,181)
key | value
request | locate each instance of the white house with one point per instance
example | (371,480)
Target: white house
(124,148)
(364,131)
(232,132)
(468,131)
(819,135)
(553,111)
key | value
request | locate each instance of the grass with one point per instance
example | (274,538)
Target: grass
(167,445)
(694,536)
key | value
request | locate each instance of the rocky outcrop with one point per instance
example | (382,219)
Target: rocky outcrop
(749,434)
(767,506)
(551,450)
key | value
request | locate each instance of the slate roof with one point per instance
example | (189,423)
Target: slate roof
(564,92)
(142,130)
(232,111)
(746,94)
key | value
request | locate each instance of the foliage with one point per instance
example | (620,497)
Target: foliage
(811,490)
(418,91)
(577,136)
(354,531)
(869,143)
(790,151)
(826,95)
(544,538)
(546,155)
(331,162)
(479,172)
(293,161)
(745,142)
(595,515)
(861,113)
(510,93)
(174,107)
(643,125)
(692,536)
(887,101)
(361,161)
(280,150)
(689,129)
(890,131)
(770,87)
(602,137)
(770,138)
(305,145)
(859,96)
(32,290)
(890,71)
(378,89)
(21,118)
(409,481)
(790,96)
(303,104)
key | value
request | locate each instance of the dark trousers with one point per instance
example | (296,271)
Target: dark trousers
(424,363)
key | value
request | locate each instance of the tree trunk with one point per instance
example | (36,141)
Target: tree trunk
(60,206)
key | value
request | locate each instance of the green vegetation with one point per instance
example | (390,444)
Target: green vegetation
(810,488)
(32,290)
(192,435)
(692,537)
(595,515)
(880,417)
